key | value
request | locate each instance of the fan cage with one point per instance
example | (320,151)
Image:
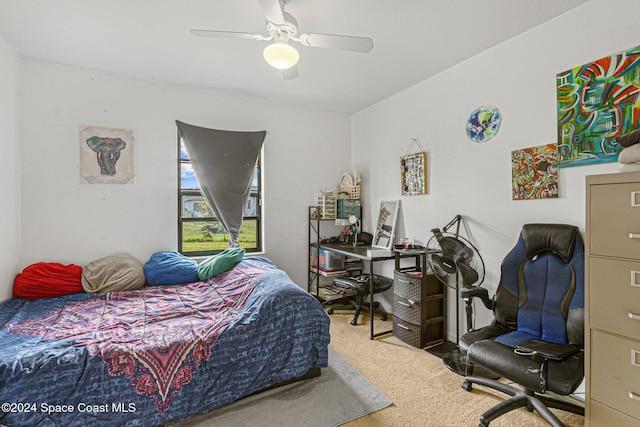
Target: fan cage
(454,280)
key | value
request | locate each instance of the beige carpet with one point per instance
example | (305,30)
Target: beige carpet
(423,391)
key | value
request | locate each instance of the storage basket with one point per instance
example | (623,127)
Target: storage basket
(352,191)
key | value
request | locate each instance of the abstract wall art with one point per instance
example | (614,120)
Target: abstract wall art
(534,172)
(597,102)
(106,155)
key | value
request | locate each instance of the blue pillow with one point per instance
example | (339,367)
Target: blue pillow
(219,263)
(170,268)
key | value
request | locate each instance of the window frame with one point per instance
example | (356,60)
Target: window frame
(256,192)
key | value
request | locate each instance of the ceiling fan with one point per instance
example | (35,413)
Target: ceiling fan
(282,28)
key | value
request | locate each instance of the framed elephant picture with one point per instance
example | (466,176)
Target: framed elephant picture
(106,155)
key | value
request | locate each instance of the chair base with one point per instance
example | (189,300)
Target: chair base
(358,309)
(520,398)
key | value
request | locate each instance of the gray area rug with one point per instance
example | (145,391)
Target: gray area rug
(339,395)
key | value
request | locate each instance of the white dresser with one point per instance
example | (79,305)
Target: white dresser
(612,341)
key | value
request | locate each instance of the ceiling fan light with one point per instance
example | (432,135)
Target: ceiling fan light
(281,55)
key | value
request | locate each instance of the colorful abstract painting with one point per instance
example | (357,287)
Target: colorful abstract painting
(414,174)
(597,102)
(534,172)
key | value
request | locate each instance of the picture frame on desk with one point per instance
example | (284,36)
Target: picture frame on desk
(384,231)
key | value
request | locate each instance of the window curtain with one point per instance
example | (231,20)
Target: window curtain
(224,163)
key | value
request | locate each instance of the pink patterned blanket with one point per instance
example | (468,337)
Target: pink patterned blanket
(155,337)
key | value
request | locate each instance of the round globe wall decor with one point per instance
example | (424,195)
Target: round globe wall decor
(484,123)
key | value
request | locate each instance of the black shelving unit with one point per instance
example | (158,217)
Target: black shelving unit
(315,228)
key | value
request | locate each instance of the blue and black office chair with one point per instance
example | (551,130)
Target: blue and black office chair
(540,298)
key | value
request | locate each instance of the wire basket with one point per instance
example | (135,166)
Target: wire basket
(352,191)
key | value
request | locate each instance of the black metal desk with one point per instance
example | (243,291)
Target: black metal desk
(365,254)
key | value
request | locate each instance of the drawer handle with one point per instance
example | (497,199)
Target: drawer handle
(634,235)
(634,277)
(633,316)
(633,396)
(634,358)
(404,327)
(409,304)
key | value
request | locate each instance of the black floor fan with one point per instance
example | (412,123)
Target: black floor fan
(456,263)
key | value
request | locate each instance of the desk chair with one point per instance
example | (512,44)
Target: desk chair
(360,285)
(540,297)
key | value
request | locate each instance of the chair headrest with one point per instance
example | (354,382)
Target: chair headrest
(557,238)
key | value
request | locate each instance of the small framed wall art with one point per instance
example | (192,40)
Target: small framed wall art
(413,171)
(106,155)
(534,172)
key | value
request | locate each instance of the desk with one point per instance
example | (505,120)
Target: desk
(365,254)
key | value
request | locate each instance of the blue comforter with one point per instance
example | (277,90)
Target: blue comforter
(158,354)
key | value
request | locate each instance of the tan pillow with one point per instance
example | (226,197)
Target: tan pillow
(630,154)
(120,272)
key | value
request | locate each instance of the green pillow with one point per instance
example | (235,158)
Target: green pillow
(219,263)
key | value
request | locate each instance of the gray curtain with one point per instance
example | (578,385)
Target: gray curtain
(224,162)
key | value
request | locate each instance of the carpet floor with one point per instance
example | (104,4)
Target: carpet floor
(424,392)
(339,395)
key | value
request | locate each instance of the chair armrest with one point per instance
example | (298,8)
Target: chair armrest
(477,292)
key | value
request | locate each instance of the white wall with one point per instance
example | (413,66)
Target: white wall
(10,171)
(65,221)
(472,179)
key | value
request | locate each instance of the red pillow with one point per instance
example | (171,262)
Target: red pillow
(48,280)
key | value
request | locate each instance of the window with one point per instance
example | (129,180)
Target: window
(199,232)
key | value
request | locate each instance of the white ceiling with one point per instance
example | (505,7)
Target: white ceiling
(150,39)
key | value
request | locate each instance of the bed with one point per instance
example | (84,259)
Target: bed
(157,354)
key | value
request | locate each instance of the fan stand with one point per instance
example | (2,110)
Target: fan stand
(455,360)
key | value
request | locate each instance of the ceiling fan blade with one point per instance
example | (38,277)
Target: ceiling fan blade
(273,11)
(290,73)
(228,34)
(332,41)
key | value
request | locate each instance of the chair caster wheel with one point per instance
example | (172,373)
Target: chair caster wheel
(383,317)
(466,386)
(330,311)
(354,322)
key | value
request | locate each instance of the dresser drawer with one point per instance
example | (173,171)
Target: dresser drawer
(615,372)
(406,309)
(615,215)
(416,288)
(614,289)
(408,332)
(420,336)
(602,415)
(407,286)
